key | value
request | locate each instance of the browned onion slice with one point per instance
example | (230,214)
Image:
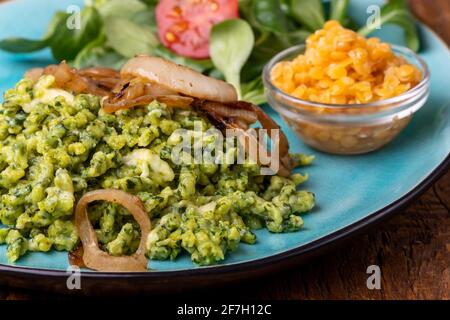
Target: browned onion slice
(105,77)
(34,74)
(99,72)
(93,256)
(179,79)
(157,90)
(171,101)
(97,81)
(269,124)
(229,111)
(175,101)
(76,257)
(238,115)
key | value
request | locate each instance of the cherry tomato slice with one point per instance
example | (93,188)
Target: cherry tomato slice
(184,25)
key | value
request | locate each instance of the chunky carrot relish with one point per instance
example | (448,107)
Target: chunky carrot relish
(342,67)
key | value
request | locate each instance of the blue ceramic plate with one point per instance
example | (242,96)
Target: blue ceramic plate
(352,191)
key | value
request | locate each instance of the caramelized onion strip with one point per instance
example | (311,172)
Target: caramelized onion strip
(34,74)
(171,101)
(238,115)
(248,116)
(97,81)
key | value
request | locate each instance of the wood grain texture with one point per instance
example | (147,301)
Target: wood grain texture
(412,249)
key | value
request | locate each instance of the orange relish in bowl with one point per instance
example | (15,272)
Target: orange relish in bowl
(341,67)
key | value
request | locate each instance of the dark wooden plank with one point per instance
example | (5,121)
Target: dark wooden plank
(436,14)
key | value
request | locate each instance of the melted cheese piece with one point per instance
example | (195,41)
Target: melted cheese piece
(48,96)
(151,165)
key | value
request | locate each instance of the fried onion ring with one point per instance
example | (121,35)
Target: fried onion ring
(93,256)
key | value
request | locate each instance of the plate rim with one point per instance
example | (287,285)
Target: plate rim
(313,247)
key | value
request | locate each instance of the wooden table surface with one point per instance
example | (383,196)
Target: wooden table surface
(412,248)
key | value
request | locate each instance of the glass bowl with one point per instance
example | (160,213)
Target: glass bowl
(350,128)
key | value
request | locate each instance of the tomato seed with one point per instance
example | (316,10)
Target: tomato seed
(170,37)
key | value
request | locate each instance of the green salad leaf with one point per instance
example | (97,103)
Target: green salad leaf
(397,12)
(269,16)
(231,44)
(150,2)
(299,36)
(339,10)
(99,57)
(259,57)
(67,43)
(17,45)
(119,8)
(97,53)
(309,13)
(146,18)
(254,92)
(128,38)
(198,65)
